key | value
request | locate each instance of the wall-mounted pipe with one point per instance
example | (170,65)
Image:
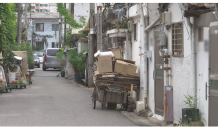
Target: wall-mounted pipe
(194,65)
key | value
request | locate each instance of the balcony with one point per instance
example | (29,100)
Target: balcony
(117,33)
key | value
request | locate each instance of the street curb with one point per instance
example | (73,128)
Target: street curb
(132,116)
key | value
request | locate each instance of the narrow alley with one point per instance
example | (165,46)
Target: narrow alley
(52,101)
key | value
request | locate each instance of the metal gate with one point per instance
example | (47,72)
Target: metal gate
(158,76)
(213,77)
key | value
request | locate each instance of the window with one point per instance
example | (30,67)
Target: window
(37,4)
(55,27)
(135,37)
(177,39)
(43,10)
(200,34)
(32,7)
(43,5)
(53,45)
(37,10)
(40,27)
(40,45)
(52,52)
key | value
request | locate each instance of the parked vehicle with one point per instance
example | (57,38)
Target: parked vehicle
(50,60)
(40,55)
(36,60)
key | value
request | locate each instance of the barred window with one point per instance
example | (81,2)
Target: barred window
(177,39)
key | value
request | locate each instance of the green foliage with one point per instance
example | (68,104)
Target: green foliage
(69,38)
(8,24)
(123,24)
(190,101)
(60,53)
(36,48)
(43,37)
(82,20)
(68,16)
(78,61)
(195,115)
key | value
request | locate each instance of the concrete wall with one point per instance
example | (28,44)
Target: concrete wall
(202,73)
(81,9)
(181,73)
(47,30)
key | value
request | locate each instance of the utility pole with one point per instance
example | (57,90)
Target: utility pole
(65,26)
(19,23)
(91,46)
(26,23)
(60,30)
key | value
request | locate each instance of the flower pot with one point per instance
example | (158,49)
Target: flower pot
(193,124)
(188,112)
(78,79)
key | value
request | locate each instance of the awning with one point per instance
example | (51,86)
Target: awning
(18,58)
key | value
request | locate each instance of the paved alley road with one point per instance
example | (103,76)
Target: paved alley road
(52,101)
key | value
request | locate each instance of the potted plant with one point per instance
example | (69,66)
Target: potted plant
(191,115)
(78,62)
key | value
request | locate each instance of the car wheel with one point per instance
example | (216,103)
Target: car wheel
(44,69)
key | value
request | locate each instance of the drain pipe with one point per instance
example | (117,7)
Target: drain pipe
(143,62)
(193,53)
(143,49)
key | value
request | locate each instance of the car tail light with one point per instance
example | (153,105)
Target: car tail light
(45,58)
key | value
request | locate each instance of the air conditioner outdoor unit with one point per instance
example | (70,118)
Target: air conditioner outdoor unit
(130,26)
(166,18)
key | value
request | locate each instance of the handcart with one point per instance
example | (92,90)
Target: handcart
(109,96)
(112,89)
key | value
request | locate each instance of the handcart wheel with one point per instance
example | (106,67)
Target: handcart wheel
(94,99)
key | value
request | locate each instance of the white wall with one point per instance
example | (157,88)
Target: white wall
(47,30)
(202,73)
(181,67)
(81,9)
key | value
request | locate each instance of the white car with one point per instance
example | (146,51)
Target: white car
(40,56)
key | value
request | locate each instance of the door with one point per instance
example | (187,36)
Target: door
(158,76)
(213,77)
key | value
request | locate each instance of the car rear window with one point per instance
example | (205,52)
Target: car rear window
(39,55)
(52,52)
(35,57)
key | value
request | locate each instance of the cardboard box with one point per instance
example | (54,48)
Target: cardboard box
(104,61)
(125,68)
(22,54)
(116,51)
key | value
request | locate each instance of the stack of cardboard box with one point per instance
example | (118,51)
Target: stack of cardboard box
(111,62)
(114,71)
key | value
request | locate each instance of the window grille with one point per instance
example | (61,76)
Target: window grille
(177,39)
(55,27)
